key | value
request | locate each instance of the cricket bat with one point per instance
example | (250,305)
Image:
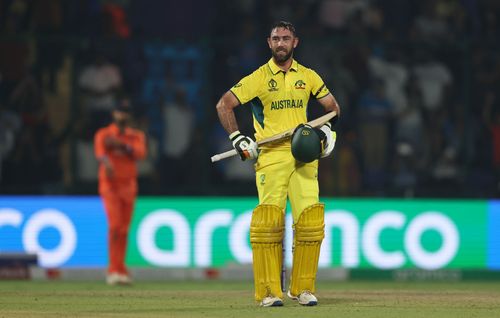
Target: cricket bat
(278,137)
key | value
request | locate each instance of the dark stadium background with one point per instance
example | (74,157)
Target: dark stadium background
(411,192)
(193,51)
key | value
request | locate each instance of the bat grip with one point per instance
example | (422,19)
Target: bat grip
(224,155)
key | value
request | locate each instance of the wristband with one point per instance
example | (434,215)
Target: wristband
(234,134)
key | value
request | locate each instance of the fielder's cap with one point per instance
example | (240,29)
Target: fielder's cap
(306,143)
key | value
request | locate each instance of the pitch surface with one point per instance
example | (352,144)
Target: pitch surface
(234,299)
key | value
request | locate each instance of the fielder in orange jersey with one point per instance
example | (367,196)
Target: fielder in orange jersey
(278,93)
(118,147)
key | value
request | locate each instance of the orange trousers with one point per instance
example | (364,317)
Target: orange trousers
(118,200)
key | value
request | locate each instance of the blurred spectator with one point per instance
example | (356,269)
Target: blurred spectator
(430,25)
(34,161)
(445,160)
(47,20)
(409,122)
(178,130)
(355,58)
(115,22)
(392,70)
(347,165)
(491,25)
(17,15)
(249,48)
(14,54)
(445,174)
(374,117)
(345,85)
(404,180)
(486,72)
(491,116)
(434,80)
(99,82)
(10,124)
(334,14)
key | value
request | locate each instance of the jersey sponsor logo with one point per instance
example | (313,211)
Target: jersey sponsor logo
(287,103)
(300,84)
(237,85)
(272,85)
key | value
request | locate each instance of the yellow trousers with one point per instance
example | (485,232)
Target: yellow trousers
(279,176)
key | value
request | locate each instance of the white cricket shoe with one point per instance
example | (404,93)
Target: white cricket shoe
(124,279)
(306,298)
(271,301)
(118,279)
(113,279)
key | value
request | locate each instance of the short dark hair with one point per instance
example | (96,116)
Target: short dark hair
(283,24)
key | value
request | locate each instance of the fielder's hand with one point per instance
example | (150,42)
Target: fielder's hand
(108,167)
(246,147)
(328,141)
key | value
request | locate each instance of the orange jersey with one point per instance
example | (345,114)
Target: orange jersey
(123,159)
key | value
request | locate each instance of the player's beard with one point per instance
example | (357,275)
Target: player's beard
(281,58)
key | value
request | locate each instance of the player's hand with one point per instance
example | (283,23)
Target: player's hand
(110,172)
(246,147)
(112,142)
(108,167)
(328,140)
(118,146)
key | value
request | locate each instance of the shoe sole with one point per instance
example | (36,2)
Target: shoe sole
(311,303)
(277,303)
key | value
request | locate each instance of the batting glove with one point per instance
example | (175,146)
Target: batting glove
(328,141)
(246,147)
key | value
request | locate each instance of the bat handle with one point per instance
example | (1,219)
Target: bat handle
(224,155)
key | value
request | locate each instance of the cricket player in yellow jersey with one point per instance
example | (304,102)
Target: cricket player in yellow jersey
(278,93)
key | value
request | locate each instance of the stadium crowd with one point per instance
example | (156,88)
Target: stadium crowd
(417,81)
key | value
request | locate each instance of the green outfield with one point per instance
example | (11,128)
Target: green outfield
(234,299)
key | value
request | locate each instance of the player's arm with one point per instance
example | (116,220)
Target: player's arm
(225,111)
(246,147)
(101,153)
(137,149)
(323,95)
(330,104)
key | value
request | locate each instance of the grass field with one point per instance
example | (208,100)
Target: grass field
(235,299)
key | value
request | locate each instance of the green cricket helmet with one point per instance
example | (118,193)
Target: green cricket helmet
(307,143)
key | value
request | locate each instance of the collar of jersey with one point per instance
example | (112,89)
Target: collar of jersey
(276,69)
(114,128)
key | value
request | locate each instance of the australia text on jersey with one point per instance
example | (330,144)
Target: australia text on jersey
(287,103)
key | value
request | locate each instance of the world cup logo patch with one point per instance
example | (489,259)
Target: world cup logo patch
(272,85)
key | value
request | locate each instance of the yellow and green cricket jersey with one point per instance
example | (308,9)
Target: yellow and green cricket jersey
(278,99)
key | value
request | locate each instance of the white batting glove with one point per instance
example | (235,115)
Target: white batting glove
(246,147)
(329,141)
